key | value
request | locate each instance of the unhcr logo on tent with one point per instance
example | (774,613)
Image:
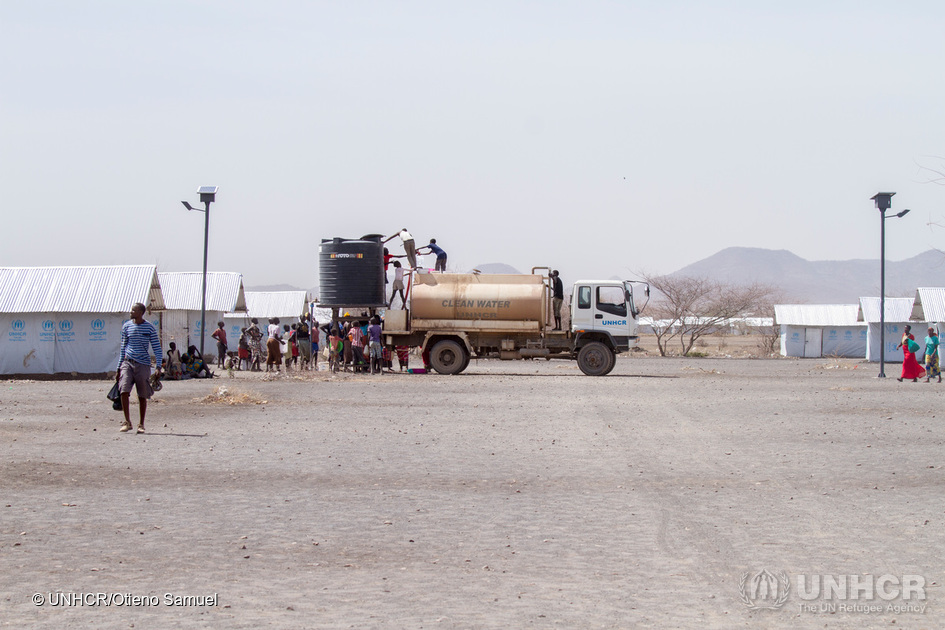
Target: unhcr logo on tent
(65,330)
(17,330)
(98,332)
(48,333)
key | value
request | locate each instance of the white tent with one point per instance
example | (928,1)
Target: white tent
(898,312)
(929,306)
(286,305)
(181,321)
(816,330)
(68,319)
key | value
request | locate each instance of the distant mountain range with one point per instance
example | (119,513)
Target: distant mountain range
(494,268)
(800,280)
(820,281)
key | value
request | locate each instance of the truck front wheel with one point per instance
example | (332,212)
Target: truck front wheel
(596,359)
(448,357)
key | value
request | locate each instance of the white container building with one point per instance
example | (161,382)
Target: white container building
(818,330)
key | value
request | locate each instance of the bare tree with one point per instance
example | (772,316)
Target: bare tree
(769,336)
(689,308)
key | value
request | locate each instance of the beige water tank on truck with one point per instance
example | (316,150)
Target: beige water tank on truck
(466,296)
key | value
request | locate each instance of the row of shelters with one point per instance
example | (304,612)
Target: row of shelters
(68,319)
(853,330)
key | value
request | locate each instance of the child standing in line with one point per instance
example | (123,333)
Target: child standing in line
(335,349)
(398,286)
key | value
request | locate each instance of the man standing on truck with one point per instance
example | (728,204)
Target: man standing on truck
(557,297)
(409,246)
(440,254)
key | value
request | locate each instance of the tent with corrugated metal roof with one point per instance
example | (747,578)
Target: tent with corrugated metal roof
(929,306)
(183,291)
(68,319)
(897,314)
(816,330)
(286,305)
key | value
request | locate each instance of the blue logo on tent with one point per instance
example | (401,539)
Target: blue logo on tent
(18,324)
(65,325)
(98,324)
(49,325)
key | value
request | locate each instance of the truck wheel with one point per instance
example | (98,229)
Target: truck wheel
(596,359)
(613,363)
(448,357)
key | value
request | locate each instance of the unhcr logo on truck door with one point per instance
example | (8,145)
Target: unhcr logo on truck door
(97,330)
(17,330)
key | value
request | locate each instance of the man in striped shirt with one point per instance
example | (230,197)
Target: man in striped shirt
(134,363)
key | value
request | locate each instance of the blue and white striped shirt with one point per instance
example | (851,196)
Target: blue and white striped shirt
(134,343)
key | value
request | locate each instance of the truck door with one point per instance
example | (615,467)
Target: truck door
(611,312)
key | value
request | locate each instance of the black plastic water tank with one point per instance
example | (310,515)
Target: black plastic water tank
(351,272)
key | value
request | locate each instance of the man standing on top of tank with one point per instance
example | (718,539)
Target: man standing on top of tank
(409,246)
(134,363)
(440,254)
(557,297)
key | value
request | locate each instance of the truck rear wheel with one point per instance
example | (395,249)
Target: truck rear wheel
(596,359)
(448,357)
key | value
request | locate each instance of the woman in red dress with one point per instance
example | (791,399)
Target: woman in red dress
(910,367)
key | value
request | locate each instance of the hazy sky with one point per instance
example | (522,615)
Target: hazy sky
(596,137)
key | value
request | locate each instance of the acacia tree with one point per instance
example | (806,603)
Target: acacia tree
(688,308)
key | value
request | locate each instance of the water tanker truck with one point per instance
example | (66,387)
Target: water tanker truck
(454,317)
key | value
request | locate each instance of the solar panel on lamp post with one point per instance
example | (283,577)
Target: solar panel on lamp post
(208,195)
(883,203)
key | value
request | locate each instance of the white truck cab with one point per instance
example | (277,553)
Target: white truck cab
(603,322)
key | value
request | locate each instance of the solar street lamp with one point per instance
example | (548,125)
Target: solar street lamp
(883,203)
(208,194)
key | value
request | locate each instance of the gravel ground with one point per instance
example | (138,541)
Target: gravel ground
(519,494)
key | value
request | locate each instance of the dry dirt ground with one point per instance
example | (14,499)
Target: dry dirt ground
(519,494)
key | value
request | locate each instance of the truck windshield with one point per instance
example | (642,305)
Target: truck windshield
(633,308)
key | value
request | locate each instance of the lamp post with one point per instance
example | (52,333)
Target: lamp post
(208,194)
(883,203)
